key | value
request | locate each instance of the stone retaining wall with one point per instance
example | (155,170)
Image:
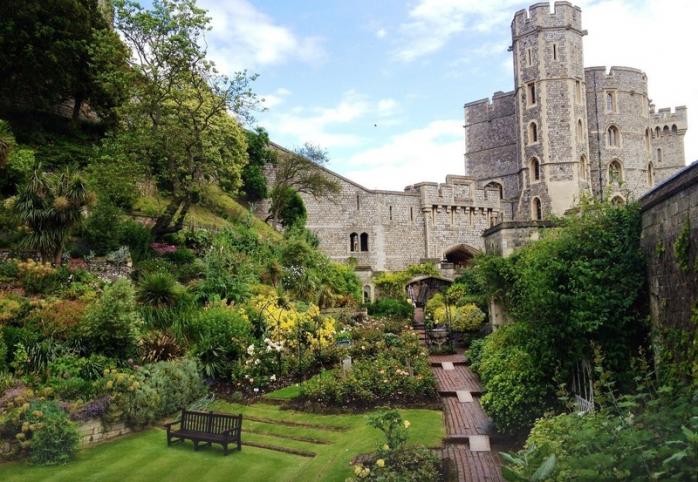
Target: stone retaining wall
(93,431)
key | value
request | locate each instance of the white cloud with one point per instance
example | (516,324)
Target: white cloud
(423,154)
(434,22)
(276,98)
(656,37)
(381,33)
(242,37)
(386,106)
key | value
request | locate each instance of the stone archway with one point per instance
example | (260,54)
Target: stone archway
(461,255)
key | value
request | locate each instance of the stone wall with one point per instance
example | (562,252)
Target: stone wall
(93,431)
(667,211)
(505,238)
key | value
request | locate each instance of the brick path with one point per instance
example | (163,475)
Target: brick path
(467,441)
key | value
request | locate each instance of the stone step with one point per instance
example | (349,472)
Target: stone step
(454,393)
(476,443)
(464,396)
(447,365)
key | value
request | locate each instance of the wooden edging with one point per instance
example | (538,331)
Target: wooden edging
(272,421)
(277,448)
(299,438)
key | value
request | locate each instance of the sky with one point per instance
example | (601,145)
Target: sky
(381,84)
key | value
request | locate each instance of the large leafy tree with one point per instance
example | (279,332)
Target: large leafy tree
(51,205)
(178,117)
(55,51)
(259,154)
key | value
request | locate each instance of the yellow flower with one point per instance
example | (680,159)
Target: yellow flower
(380,463)
(358,469)
(364,473)
(407,423)
(110,384)
(386,447)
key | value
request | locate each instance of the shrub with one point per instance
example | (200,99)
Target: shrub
(177,382)
(390,308)
(3,355)
(59,319)
(158,346)
(54,438)
(181,256)
(12,307)
(159,289)
(112,323)
(137,237)
(102,230)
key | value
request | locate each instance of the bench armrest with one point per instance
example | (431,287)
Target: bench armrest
(169,425)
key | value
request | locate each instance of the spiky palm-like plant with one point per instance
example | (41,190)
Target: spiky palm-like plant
(6,142)
(50,205)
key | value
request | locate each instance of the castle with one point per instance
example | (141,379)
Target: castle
(564,132)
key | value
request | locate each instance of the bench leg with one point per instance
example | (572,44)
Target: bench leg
(196,445)
(225,448)
(239,444)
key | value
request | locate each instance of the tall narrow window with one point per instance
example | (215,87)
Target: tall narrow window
(453,215)
(529,57)
(650,175)
(411,214)
(578,91)
(665,131)
(615,172)
(674,129)
(536,209)
(583,167)
(647,139)
(656,132)
(358,202)
(659,154)
(535,169)
(611,101)
(532,133)
(390,209)
(353,242)
(580,131)
(364,242)
(554,51)
(531,94)
(613,136)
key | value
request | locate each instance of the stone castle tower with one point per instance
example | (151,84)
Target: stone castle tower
(566,131)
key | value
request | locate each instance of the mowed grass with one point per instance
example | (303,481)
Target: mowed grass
(334,439)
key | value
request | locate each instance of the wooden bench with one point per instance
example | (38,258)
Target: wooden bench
(207,427)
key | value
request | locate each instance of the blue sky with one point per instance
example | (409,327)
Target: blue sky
(381,84)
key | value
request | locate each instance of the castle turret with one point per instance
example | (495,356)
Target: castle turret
(550,108)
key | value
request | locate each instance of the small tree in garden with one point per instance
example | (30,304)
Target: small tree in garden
(51,205)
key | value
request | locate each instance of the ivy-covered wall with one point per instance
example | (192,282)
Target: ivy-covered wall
(670,244)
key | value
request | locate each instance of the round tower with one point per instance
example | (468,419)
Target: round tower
(551,108)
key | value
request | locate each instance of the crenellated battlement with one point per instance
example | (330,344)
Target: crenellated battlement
(617,77)
(458,190)
(665,116)
(502,104)
(538,16)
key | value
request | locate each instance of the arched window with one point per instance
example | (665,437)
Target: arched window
(353,242)
(615,172)
(583,167)
(656,132)
(617,200)
(647,139)
(650,175)
(535,169)
(610,101)
(497,186)
(659,154)
(364,242)
(580,131)
(532,133)
(665,131)
(613,136)
(536,209)
(674,129)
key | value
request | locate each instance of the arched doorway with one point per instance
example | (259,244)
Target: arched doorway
(461,255)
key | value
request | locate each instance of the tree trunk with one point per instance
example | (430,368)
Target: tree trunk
(166,223)
(58,257)
(77,106)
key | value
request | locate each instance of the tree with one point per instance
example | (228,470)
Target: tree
(178,116)
(300,171)
(46,56)
(51,205)
(293,212)
(259,155)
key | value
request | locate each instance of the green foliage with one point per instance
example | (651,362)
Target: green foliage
(3,355)
(642,438)
(676,352)
(682,246)
(392,426)
(112,323)
(259,154)
(54,438)
(392,285)
(390,308)
(177,382)
(101,231)
(292,211)
(159,289)
(50,206)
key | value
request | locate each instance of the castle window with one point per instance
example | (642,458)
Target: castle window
(390,211)
(650,175)
(665,131)
(615,172)
(617,200)
(411,214)
(453,211)
(647,139)
(497,186)
(364,242)
(580,131)
(529,57)
(578,91)
(535,169)
(531,94)
(613,137)
(353,242)
(659,154)
(583,167)
(554,51)
(536,209)
(611,101)
(532,133)
(656,132)
(358,202)
(674,130)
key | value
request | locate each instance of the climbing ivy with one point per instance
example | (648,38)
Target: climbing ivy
(682,246)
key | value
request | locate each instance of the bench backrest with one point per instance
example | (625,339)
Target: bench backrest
(210,422)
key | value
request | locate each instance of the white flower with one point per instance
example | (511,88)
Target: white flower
(256,389)
(272,378)
(256,362)
(250,350)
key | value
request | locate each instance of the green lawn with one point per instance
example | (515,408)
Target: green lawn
(334,439)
